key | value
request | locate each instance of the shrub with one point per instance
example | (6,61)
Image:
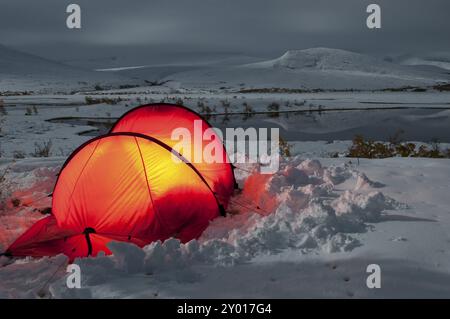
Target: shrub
(369,149)
(90,100)
(285,148)
(2,108)
(225,104)
(42,149)
(442,87)
(179,101)
(273,108)
(248,111)
(247,108)
(203,108)
(2,114)
(19,154)
(128,86)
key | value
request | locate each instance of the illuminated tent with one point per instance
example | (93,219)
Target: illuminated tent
(161,119)
(125,187)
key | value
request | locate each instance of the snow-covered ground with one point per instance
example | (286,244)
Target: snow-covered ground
(321,221)
(22,134)
(332,218)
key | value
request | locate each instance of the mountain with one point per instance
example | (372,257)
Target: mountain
(25,72)
(439,60)
(317,68)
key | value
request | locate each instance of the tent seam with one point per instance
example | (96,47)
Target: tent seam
(148,184)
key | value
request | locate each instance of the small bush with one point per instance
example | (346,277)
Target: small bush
(370,149)
(179,101)
(128,86)
(2,114)
(442,87)
(19,154)
(42,149)
(203,108)
(225,104)
(273,108)
(285,148)
(2,108)
(248,109)
(90,100)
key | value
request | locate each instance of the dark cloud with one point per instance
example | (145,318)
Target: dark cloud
(254,27)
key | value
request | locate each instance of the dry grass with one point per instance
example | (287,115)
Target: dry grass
(285,148)
(363,148)
(273,109)
(91,101)
(42,149)
(442,87)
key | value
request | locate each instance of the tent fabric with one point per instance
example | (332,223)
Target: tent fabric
(121,186)
(161,119)
(45,238)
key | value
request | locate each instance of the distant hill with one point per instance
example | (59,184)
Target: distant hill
(25,72)
(317,68)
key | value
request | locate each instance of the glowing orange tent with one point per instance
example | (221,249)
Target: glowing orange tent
(161,119)
(121,186)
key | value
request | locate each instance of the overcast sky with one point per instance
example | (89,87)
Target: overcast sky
(254,27)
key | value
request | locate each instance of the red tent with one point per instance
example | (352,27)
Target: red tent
(161,119)
(126,187)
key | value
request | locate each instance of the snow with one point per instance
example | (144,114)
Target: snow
(435,59)
(309,230)
(317,68)
(33,73)
(20,133)
(331,219)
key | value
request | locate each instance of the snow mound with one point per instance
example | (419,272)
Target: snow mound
(300,207)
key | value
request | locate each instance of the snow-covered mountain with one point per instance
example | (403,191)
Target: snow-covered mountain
(317,68)
(25,72)
(439,60)
(327,59)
